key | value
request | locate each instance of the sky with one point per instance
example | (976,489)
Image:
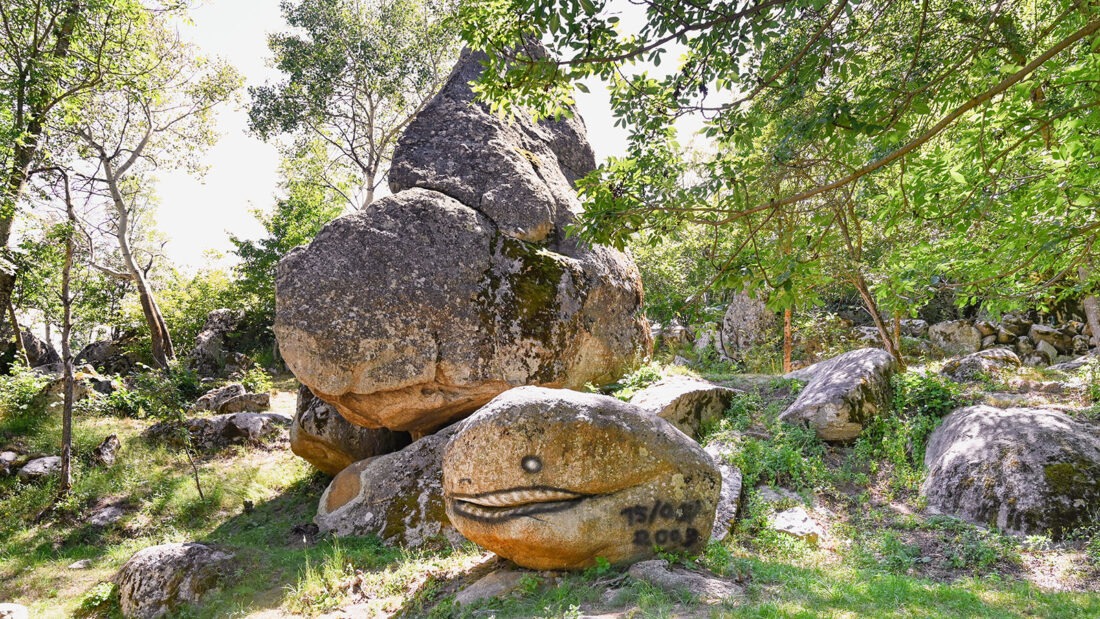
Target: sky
(198,215)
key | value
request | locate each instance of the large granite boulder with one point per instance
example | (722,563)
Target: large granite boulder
(690,404)
(843,393)
(553,479)
(397,497)
(1022,470)
(163,580)
(320,436)
(747,323)
(420,308)
(957,337)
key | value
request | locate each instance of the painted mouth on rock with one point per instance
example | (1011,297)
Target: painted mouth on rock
(512,503)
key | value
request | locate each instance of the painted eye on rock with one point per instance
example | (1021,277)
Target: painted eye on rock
(531,464)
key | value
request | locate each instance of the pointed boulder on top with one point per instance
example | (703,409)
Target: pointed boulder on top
(423,306)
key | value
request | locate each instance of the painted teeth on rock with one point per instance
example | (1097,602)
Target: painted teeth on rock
(521,497)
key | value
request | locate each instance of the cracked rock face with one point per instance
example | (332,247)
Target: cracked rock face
(422,307)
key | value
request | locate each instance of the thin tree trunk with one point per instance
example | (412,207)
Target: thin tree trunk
(161,339)
(1091,306)
(897,330)
(20,347)
(788,339)
(872,307)
(66,349)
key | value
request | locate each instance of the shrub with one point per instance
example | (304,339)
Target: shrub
(257,380)
(22,391)
(899,439)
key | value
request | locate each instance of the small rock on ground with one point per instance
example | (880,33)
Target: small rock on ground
(498,583)
(707,589)
(797,522)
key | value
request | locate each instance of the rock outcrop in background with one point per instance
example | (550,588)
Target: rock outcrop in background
(426,304)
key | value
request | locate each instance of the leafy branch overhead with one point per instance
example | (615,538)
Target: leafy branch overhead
(962,134)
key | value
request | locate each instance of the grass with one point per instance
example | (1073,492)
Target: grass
(880,557)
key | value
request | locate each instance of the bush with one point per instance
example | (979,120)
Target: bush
(153,393)
(899,439)
(257,380)
(22,391)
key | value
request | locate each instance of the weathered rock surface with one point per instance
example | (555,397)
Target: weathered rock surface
(970,366)
(320,436)
(219,431)
(797,523)
(212,345)
(914,327)
(213,399)
(706,588)
(1061,340)
(14,611)
(109,356)
(39,468)
(246,403)
(397,496)
(106,452)
(843,393)
(1023,470)
(553,479)
(162,580)
(958,337)
(729,501)
(687,403)
(747,323)
(422,307)
(493,585)
(39,352)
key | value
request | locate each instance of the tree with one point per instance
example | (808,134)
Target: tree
(53,53)
(357,72)
(163,118)
(945,113)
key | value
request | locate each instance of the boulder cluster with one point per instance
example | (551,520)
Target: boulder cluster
(461,294)
(418,309)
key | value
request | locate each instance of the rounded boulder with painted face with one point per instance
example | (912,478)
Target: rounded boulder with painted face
(554,479)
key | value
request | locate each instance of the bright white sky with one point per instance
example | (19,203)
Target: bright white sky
(198,215)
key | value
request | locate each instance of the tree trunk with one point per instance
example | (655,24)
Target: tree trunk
(66,350)
(161,339)
(1091,306)
(788,339)
(20,347)
(872,307)
(897,330)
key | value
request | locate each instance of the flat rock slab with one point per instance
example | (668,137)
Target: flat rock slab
(1022,470)
(162,580)
(397,497)
(843,393)
(690,404)
(40,468)
(553,479)
(499,583)
(797,523)
(708,589)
